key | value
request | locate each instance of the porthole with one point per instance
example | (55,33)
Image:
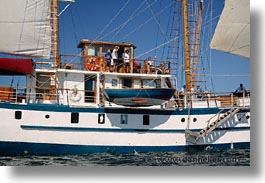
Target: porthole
(47,116)
(101,118)
(146,120)
(124,119)
(182,120)
(18,115)
(194,120)
(74,117)
(247,116)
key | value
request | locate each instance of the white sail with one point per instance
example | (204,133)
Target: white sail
(232,33)
(25,27)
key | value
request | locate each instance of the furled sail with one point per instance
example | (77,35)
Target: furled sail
(25,27)
(232,33)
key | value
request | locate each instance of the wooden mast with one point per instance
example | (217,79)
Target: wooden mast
(56,58)
(186,46)
(196,49)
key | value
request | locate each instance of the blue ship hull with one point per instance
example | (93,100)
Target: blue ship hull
(23,148)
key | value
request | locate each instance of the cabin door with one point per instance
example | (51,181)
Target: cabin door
(90,88)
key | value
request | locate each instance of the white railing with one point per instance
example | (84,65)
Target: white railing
(63,97)
(207,99)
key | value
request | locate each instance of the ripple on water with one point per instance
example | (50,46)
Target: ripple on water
(189,158)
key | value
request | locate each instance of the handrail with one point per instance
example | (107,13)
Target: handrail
(217,114)
(15,94)
(136,66)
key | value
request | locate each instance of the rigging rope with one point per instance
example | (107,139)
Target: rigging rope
(64,9)
(140,26)
(168,23)
(159,25)
(74,27)
(100,33)
(131,18)
(126,22)
(165,43)
(124,6)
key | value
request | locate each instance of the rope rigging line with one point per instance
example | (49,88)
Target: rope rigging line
(64,9)
(119,28)
(206,42)
(159,25)
(150,19)
(74,26)
(165,43)
(119,12)
(168,33)
(100,33)
(157,32)
(131,18)
(126,22)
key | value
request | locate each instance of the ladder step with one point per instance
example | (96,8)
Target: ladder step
(193,137)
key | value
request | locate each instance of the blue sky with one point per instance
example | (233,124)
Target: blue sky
(146,27)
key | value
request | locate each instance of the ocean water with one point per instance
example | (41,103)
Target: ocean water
(239,157)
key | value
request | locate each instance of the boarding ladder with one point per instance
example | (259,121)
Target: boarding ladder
(193,137)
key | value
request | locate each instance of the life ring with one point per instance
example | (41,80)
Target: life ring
(92,64)
(75,96)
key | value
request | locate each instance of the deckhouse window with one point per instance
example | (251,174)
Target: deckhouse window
(136,83)
(114,82)
(149,83)
(127,83)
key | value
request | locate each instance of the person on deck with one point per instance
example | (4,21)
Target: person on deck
(241,89)
(108,59)
(198,91)
(182,94)
(115,57)
(126,59)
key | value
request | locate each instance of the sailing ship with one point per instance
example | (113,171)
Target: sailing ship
(90,107)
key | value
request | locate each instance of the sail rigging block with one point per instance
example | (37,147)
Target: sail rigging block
(25,27)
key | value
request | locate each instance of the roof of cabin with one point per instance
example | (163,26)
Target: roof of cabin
(84,42)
